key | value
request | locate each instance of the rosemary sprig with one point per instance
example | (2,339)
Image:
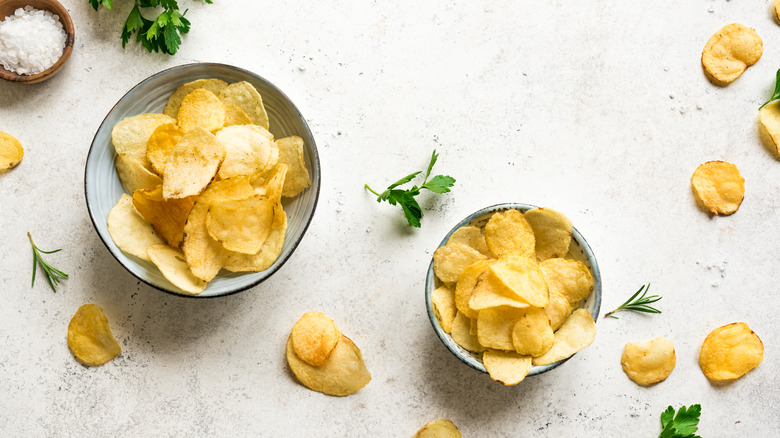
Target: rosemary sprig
(640,304)
(53,275)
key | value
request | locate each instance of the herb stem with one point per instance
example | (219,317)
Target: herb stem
(372,191)
(638,303)
(52,274)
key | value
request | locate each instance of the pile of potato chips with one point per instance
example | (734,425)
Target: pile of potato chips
(509,294)
(206,179)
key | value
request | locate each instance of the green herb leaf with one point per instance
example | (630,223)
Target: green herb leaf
(776,94)
(53,275)
(439,184)
(638,303)
(682,425)
(107,3)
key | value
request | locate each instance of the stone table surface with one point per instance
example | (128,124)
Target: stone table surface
(598,109)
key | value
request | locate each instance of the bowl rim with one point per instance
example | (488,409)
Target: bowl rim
(430,281)
(315,161)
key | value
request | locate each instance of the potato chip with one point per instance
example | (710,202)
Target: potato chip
(11,151)
(174,267)
(558,309)
(730,352)
(508,232)
(241,225)
(730,51)
(343,373)
(495,325)
(247,151)
(213,85)
(439,429)
(462,335)
(291,154)
(270,185)
(268,254)
(464,288)
(521,277)
(201,109)
(449,261)
(129,230)
(167,216)
(133,175)
(161,144)
(470,236)
(131,135)
(236,116)
(570,278)
(552,232)
(532,334)
(443,300)
(246,97)
(769,122)
(647,363)
(506,367)
(719,186)
(489,293)
(576,333)
(90,338)
(192,164)
(314,337)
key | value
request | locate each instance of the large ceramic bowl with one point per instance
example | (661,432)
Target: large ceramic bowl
(578,250)
(103,188)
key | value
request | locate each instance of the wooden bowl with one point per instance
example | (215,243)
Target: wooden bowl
(7,7)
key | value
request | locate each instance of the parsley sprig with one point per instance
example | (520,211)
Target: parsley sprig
(163,34)
(776,94)
(53,275)
(405,198)
(638,303)
(682,425)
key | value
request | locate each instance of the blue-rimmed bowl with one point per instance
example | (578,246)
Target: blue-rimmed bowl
(578,250)
(103,188)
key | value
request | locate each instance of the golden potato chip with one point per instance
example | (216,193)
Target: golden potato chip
(245,96)
(464,288)
(247,151)
(131,135)
(462,335)
(343,373)
(270,185)
(167,216)
(570,278)
(314,337)
(443,300)
(11,151)
(730,352)
(647,363)
(174,267)
(552,231)
(439,429)
(268,254)
(241,225)
(521,277)
(449,261)
(506,367)
(213,85)
(133,175)
(236,116)
(730,51)
(129,230)
(90,338)
(495,325)
(291,154)
(489,293)
(192,164)
(532,334)
(161,144)
(769,123)
(576,333)
(558,309)
(470,236)
(719,186)
(201,109)
(508,232)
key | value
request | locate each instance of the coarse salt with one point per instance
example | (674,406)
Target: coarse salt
(31,41)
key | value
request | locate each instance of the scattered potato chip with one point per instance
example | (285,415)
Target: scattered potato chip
(161,144)
(236,116)
(508,232)
(570,278)
(506,367)
(552,231)
(192,164)
(245,96)
(647,363)
(213,85)
(11,151)
(291,154)
(131,135)
(133,175)
(443,300)
(576,333)
(241,225)
(730,51)
(450,261)
(495,325)
(343,373)
(730,352)
(439,429)
(462,335)
(174,267)
(558,309)
(769,122)
(522,277)
(247,151)
(166,216)
(490,293)
(90,338)
(129,230)
(719,186)
(314,337)
(467,282)
(201,109)
(532,334)
(470,236)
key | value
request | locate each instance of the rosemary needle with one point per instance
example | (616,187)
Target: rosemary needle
(638,303)
(53,275)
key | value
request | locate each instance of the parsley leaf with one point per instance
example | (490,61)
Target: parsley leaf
(776,95)
(682,425)
(405,198)
(107,3)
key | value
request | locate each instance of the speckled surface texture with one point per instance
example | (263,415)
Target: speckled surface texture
(598,109)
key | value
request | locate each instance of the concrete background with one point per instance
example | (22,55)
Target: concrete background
(598,109)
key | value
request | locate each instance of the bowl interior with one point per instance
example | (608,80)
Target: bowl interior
(578,250)
(103,188)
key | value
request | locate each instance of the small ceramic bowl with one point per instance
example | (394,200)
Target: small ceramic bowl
(103,188)
(7,7)
(579,250)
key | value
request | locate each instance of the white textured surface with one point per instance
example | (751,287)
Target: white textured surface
(562,104)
